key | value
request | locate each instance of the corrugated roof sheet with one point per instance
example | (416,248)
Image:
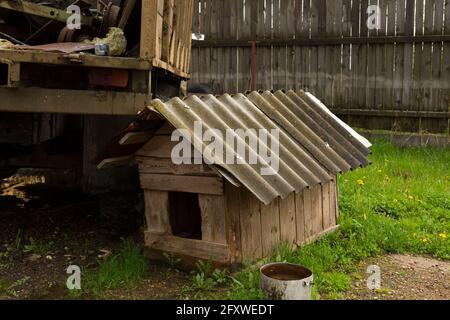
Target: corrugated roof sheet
(314,145)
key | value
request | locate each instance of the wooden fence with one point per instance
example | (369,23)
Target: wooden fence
(395,76)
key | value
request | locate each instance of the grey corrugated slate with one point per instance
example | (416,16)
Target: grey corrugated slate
(313,144)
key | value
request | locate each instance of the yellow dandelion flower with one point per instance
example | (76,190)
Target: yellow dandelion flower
(424,240)
(360,182)
(443,236)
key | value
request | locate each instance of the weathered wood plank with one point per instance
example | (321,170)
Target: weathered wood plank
(288,223)
(233,222)
(321,52)
(308,213)
(399,56)
(302,223)
(213,213)
(167,29)
(334,204)
(437,58)
(408,54)
(250,225)
(189,184)
(166,166)
(326,212)
(151,25)
(157,211)
(270,227)
(317,215)
(445,92)
(195,248)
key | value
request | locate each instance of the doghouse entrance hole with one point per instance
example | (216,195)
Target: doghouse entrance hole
(185,215)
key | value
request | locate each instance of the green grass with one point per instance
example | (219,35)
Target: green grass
(122,270)
(400,204)
(8,289)
(39,247)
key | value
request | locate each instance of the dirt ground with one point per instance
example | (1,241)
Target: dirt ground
(66,229)
(404,277)
(45,229)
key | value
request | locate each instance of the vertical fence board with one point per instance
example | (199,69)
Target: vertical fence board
(445,91)
(321,50)
(314,56)
(356,78)
(399,56)
(389,59)
(417,99)
(362,57)
(371,65)
(437,56)
(408,54)
(291,18)
(346,80)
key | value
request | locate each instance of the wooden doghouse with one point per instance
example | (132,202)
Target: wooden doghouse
(231,214)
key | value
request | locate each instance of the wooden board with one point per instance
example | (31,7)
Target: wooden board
(157,211)
(166,166)
(270,227)
(250,225)
(308,213)
(151,29)
(300,216)
(189,184)
(205,250)
(326,207)
(317,213)
(213,218)
(233,222)
(288,223)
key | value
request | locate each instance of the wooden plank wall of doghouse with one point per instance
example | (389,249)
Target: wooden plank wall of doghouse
(256,230)
(166,34)
(159,176)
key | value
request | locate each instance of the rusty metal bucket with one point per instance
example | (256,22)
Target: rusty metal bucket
(286,281)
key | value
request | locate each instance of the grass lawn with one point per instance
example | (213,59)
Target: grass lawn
(400,204)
